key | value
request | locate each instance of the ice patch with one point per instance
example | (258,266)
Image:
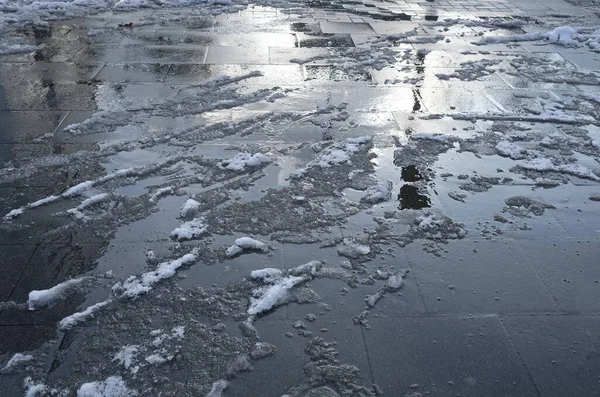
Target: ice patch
(189,207)
(77,318)
(47,297)
(189,230)
(113,386)
(16,361)
(242,160)
(134,286)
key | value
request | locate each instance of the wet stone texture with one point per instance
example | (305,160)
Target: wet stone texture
(300,199)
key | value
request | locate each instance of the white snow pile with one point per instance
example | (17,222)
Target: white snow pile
(248,244)
(77,212)
(113,386)
(547,164)
(275,291)
(240,161)
(378,193)
(16,361)
(217,388)
(190,230)
(77,318)
(509,149)
(564,35)
(190,207)
(16,45)
(134,286)
(47,297)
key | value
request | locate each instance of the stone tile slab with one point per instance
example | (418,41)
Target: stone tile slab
(442,356)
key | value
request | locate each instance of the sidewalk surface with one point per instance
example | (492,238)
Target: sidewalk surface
(319,198)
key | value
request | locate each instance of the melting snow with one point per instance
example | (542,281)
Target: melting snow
(246,243)
(546,164)
(33,389)
(275,293)
(242,160)
(16,361)
(217,388)
(378,193)
(189,230)
(38,299)
(126,356)
(77,318)
(135,286)
(189,208)
(113,386)
(508,149)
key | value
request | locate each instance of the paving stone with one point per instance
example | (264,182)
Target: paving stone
(485,278)
(413,365)
(557,348)
(569,268)
(26,126)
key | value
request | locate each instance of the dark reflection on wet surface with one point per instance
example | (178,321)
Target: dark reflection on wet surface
(411,174)
(411,198)
(417,100)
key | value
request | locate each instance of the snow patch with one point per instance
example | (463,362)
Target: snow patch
(246,243)
(242,160)
(16,361)
(189,207)
(275,293)
(508,149)
(189,230)
(77,318)
(42,298)
(378,193)
(134,286)
(113,386)
(126,356)
(217,388)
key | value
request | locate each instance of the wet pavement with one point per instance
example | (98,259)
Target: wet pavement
(304,199)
